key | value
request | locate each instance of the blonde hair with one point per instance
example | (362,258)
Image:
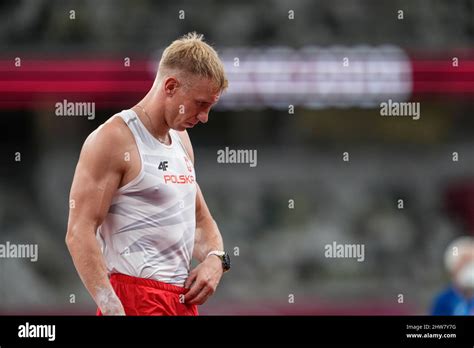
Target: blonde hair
(190,54)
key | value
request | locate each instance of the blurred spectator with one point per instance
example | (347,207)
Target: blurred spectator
(458,297)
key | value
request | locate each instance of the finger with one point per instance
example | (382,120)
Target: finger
(202,296)
(193,291)
(192,276)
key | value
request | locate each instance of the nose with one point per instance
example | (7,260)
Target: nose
(202,116)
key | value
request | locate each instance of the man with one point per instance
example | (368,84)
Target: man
(458,298)
(135,189)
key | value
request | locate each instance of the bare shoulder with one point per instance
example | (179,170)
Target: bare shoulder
(112,132)
(107,143)
(184,136)
(99,171)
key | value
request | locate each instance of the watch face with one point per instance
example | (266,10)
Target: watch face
(226,262)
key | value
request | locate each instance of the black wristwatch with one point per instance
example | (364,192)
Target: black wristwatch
(225,258)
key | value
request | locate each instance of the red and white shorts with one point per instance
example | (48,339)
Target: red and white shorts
(141,296)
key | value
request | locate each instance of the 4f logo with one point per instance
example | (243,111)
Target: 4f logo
(163,166)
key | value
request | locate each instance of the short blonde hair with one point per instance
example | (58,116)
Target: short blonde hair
(190,54)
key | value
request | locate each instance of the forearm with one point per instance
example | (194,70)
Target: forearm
(89,262)
(208,238)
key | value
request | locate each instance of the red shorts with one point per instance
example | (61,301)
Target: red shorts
(141,296)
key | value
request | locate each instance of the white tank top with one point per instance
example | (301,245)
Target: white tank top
(149,229)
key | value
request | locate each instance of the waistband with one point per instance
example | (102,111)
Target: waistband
(123,278)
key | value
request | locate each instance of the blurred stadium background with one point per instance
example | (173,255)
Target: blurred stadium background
(426,57)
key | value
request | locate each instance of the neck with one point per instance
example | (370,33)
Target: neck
(152,116)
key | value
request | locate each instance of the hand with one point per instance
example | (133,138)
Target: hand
(109,303)
(203,280)
(116,309)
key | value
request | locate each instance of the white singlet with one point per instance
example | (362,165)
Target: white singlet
(149,229)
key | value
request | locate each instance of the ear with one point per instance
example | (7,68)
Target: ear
(171,85)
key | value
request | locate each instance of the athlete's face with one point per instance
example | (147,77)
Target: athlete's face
(191,103)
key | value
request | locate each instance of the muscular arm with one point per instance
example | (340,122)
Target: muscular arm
(203,280)
(97,177)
